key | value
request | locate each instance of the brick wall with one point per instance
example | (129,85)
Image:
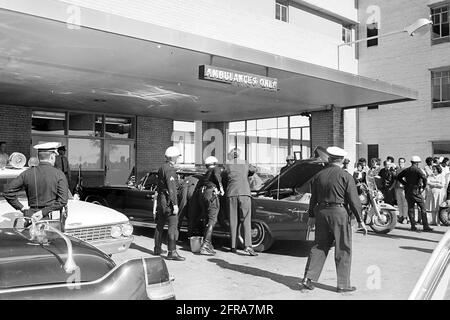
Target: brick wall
(15,129)
(403,129)
(327,128)
(153,137)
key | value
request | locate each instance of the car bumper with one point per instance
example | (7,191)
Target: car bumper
(111,246)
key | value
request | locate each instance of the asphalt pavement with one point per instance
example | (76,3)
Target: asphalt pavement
(383,267)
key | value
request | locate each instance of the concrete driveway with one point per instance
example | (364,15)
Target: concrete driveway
(383,267)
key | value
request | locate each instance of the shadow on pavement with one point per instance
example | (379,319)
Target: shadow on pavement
(289,281)
(141,249)
(395,236)
(417,249)
(291,248)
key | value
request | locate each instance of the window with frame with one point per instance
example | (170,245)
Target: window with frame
(282,11)
(347,34)
(440,18)
(372,31)
(440,88)
(183,137)
(441,148)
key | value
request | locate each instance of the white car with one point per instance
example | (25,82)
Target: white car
(103,227)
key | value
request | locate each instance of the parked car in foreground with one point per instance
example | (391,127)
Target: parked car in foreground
(51,265)
(434,282)
(105,228)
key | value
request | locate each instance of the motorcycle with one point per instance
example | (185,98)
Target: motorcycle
(444,213)
(378,215)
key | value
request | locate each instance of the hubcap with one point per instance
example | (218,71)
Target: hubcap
(258,234)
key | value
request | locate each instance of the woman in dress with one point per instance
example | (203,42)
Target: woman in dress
(435,183)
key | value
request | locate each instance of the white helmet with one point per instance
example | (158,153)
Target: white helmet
(211,160)
(416,159)
(172,152)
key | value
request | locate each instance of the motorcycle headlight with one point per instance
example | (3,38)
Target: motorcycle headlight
(116,231)
(127,229)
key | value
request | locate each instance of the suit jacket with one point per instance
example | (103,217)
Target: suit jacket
(236,177)
(62,164)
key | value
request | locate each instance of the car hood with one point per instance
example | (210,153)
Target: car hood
(86,214)
(27,263)
(81,215)
(299,173)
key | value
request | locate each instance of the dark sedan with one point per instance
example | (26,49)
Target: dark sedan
(51,265)
(279,208)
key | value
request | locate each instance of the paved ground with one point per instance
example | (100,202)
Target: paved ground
(384,267)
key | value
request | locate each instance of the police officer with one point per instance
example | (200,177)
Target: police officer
(415,182)
(167,205)
(62,163)
(46,187)
(211,187)
(332,190)
(290,160)
(239,198)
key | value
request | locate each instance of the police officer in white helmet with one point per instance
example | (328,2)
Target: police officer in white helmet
(210,188)
(167,205)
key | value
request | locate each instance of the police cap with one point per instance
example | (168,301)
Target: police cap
(48,147)
(337,152)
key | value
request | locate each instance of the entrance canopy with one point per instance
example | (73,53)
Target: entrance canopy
(47,64)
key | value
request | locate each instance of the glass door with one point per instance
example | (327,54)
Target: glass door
(119,161)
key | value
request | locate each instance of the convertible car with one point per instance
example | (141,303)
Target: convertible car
(105,228)
(279,208)
(43,263)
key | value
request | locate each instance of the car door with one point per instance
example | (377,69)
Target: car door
(140,203)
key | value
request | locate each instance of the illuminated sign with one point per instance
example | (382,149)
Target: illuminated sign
(237,78)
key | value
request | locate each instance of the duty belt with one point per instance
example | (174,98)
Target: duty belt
(37,207)
(331,204)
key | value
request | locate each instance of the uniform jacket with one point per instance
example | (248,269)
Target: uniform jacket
(334,185)
(168,182)
(236,176)
(412,178)
(45,187)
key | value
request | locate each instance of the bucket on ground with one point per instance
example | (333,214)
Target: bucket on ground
(196,243)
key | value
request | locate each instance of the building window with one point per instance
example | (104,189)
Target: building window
(266,142)
(347,34)
(439,16)
(372,151)
(441,148)
(183,138)
(282,11)
(374,107)
(43,122)
(372,31)
(440,83)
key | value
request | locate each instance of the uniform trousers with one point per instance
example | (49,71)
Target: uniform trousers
(240,207)
(164,214)
(332,223)
(412,197)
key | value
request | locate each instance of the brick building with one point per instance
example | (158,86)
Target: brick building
(421,63)
(118,82)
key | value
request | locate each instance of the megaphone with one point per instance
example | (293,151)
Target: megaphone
(17,160)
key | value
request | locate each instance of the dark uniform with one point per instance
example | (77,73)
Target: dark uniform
(333,189)
(415,182)
(239,199)
(62,164)
(209,186)
(167,198)
(187,202)
(46,188)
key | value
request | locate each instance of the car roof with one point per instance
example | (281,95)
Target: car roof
(26,263)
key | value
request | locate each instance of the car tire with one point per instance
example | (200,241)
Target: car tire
(388,225)
(444,216)
(97,200)
(262,240)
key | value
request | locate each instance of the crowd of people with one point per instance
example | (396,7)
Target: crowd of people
(433,187)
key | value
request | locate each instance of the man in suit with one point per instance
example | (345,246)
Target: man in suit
(239,198)
(62,163)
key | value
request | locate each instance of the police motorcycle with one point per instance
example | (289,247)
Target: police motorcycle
(378,215)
